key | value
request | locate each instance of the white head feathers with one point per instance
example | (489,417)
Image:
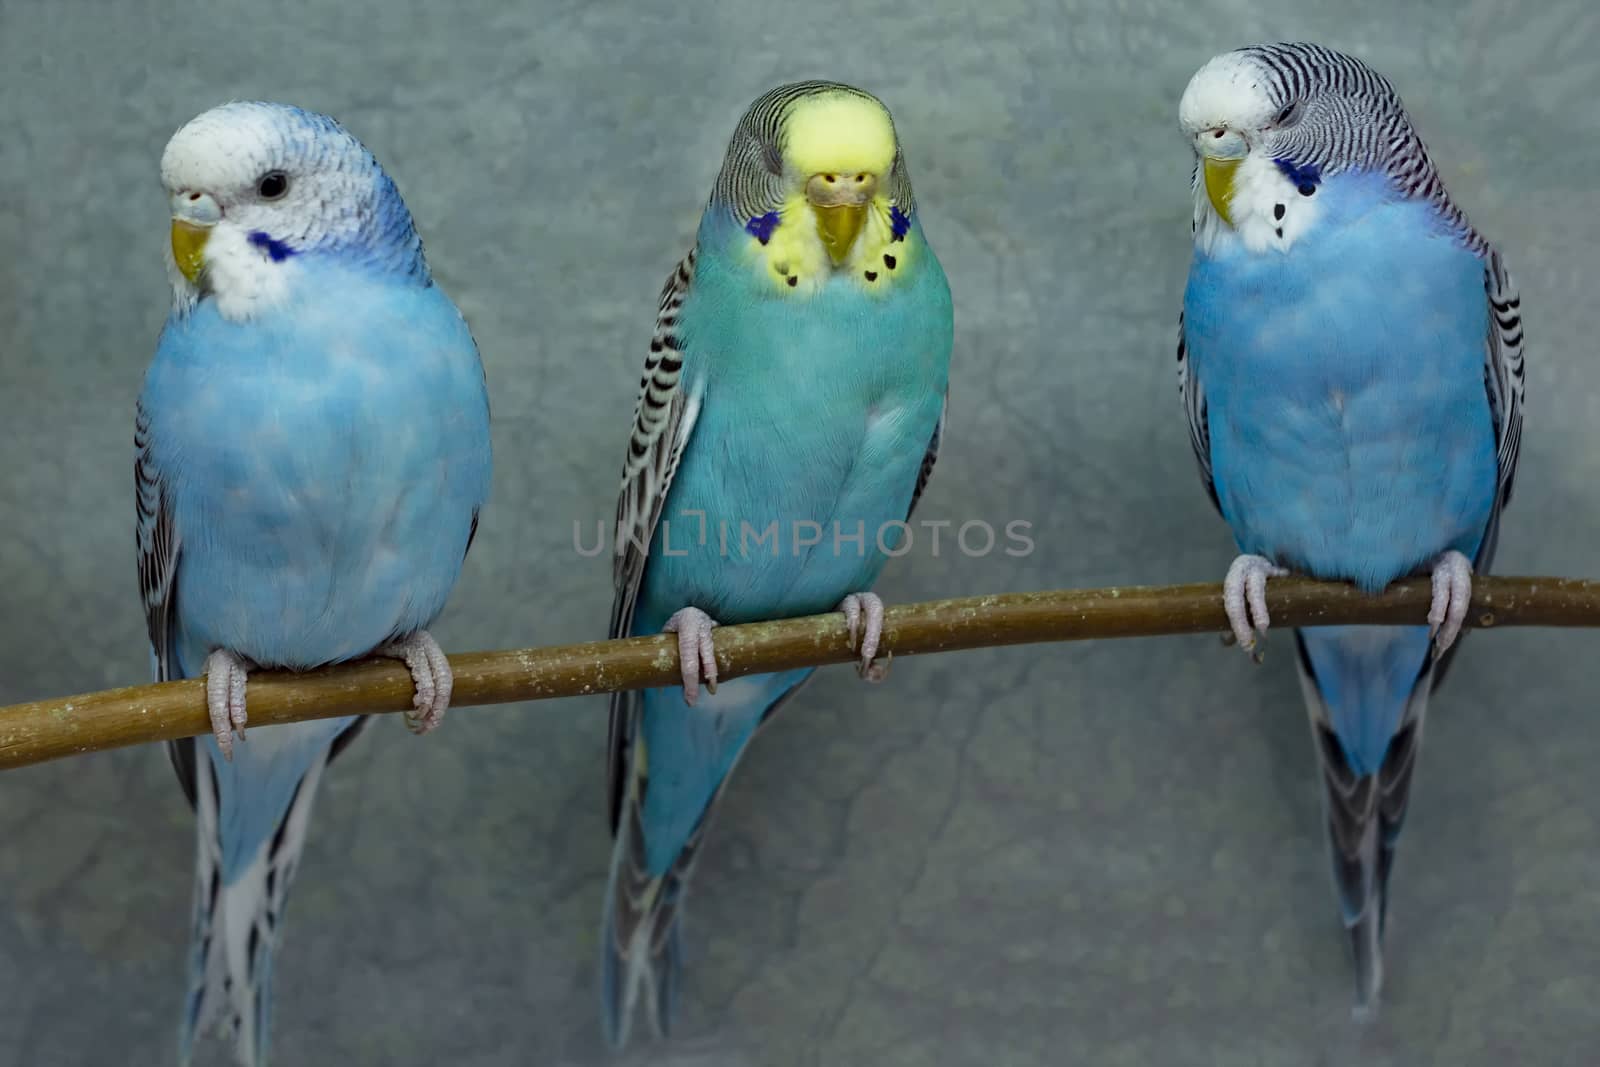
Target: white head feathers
(257,185)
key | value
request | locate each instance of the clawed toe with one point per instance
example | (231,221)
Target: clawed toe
(697,654)
(1452,598)
(225,680)
(1244,596)
(863,617)
(876,671)
(430,674)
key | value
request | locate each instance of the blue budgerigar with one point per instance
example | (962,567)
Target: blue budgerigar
(312,454)
(1351,367)
(788,418)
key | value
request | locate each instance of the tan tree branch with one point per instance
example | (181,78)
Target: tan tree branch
(51,729)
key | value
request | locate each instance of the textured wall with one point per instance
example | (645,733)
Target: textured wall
(1103,854)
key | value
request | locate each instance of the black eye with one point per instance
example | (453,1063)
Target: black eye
(272,185)
(1284,116)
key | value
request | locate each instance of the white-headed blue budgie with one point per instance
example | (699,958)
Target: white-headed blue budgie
(789,416)
(1351,367)
(312,454)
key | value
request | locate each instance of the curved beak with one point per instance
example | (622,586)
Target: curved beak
(1221,152)
(193,216)
(840,202)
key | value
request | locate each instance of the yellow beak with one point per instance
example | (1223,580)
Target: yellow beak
(188,248)
(838,226)
(1219,175)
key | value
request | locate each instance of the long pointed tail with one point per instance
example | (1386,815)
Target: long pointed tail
(641,948)
(236,920)
(1359,859)
(1367,697)
(641,942)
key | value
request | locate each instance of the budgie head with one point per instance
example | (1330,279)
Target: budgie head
(815,179)
(1270,123)
(255,187)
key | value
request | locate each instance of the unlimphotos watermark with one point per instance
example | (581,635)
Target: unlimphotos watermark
(696,533)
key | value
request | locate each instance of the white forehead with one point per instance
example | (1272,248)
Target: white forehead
(233,145)
(1231,91)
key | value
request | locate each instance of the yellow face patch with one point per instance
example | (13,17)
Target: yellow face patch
(793,258)
(797,261)
(844,135)
(838,133)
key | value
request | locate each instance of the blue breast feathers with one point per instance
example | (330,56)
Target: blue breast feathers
(324,461)
(1350,428)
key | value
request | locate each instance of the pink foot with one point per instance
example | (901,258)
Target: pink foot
(867,608)
(430,673)
(1244,595)
(225,676)
(697,656)
(1452,596)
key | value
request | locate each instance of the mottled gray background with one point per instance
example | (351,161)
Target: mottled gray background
(1100,854)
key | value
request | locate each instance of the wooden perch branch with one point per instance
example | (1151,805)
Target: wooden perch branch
(50,729)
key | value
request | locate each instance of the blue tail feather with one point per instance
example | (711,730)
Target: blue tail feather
(1366,689)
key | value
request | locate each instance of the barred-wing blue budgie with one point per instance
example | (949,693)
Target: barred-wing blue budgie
(1351,367)
(312,454)
(795,388)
